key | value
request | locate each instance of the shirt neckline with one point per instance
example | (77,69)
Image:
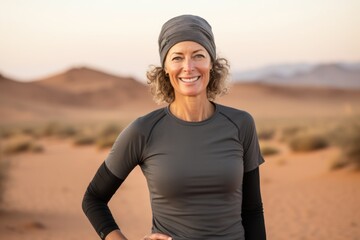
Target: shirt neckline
(183,122)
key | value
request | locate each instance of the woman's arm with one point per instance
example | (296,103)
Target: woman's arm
(252,209)
(94,204)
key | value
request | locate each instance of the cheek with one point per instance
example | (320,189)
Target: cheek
(171,70)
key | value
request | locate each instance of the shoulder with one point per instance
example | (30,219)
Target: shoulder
(144,124)
(240,117)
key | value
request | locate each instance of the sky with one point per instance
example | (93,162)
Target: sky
(39,38)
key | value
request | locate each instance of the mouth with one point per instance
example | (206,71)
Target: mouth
(189,80)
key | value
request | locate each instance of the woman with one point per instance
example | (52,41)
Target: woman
(200,159)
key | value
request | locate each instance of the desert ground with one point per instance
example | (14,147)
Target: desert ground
(304,197)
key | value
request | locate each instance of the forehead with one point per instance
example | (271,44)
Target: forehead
(185,47)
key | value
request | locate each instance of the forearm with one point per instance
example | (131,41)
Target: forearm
(252,209)
(254,225)
(96,198)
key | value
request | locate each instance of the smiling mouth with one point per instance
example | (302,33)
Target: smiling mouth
(189,80)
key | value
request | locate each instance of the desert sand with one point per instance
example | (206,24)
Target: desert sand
(302,198)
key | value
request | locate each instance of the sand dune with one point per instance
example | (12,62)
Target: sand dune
(95,87)
(271,101)
(81,93)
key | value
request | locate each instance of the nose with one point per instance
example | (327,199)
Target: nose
(188,65)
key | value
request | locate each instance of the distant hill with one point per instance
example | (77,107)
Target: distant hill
(96,88)
(89,94)
(337,75)
(71,94)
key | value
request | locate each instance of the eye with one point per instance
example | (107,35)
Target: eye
(176,59)
(199,56)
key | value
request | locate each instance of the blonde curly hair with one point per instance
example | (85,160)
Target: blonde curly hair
(162,90)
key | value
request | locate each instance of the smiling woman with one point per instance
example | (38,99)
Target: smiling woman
(200,159)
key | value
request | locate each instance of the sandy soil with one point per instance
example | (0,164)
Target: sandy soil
(302,199)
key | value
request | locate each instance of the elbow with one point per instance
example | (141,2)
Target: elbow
(84,203)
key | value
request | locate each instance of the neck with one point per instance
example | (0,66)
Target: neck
(192,110)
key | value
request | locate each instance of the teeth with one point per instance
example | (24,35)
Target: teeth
(189,80)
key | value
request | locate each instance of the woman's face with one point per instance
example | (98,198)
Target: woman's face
(188,65)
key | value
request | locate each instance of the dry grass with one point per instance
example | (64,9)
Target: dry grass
(6,133)
(308,142)
(289,132)
(107,135)
(39,130)
(19,144)
(269,150)
(21,137)
(4,168)
(55,129)
(266,134)
(105,141)
(347,136)
(102,135)
(84,139)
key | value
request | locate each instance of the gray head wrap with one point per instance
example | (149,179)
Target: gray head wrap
(186,28)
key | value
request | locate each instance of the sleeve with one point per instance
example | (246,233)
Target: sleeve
(98,194)
(252,208)
(122,159)
(126,153)
(252,154)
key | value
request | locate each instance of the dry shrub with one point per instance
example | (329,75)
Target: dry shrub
(268,151)
(4,168)
(347,137)
(289,132)
(110,130)
(83,139)
(55,129)
(22,144)
(266,134)
(105,141)
(6,132)
(308,142)
(29,131)
(107,135)
(103,136)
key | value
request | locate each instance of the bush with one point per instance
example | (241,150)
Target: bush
(30,131)
(110,130)
(58,130)
(268,151)
(266,134)
(309,142)
(20,144)
(106,141)
(347,137)
(6,133)
(107,135)
(84,140)
(290,132)
(103,136)
(4,168)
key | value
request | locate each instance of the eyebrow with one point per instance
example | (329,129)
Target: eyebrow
(180,53)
